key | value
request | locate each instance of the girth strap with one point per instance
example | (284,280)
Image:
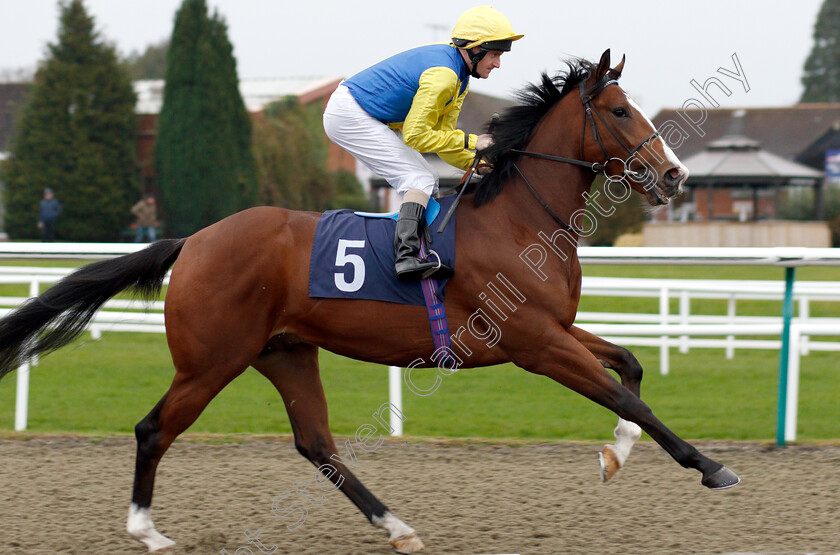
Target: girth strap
(437,318)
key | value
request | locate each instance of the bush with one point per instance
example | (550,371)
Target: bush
(798,204)
(291,156)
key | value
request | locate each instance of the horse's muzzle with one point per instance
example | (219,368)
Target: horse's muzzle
(666,188)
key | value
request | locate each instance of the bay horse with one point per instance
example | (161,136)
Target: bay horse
(238,294)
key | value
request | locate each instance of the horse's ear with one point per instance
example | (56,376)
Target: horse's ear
(615,72)
(603,65)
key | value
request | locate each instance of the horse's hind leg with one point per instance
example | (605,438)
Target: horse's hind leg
(294,372)
(612,457)
(175,412)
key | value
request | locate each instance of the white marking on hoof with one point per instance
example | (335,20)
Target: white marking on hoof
(141,528)
(609,463)
(410,543)
(402,536)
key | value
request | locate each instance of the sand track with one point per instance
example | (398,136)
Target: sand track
(71,495)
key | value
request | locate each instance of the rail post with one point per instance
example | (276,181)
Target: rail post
(22,385)
(395,396)
(664,313)
(787,315)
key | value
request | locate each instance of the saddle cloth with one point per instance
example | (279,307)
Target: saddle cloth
(353,256)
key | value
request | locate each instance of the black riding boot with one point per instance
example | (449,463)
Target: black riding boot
(409,266)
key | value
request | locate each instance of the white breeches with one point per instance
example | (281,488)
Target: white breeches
(376,145)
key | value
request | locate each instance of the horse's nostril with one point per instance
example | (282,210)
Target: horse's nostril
(674,177)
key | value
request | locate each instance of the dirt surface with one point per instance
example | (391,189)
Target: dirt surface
(71,495)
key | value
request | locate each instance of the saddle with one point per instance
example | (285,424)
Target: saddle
(432,212)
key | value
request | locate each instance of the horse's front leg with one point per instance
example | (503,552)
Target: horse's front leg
(613,456)
(565,360)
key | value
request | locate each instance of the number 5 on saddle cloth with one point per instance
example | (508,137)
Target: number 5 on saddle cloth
(353,256)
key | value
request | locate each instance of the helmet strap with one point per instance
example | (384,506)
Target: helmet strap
(475,58)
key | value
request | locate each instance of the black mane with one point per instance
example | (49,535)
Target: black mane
(514,127)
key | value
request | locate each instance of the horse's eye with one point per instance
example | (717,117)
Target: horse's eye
(620,112)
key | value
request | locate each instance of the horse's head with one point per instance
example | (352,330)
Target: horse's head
(616,130)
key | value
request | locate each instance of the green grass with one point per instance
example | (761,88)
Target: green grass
(106,386)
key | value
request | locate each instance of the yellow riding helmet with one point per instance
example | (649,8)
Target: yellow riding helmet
(486,27)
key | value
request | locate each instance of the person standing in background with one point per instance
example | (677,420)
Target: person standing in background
(48,212)
(146,212)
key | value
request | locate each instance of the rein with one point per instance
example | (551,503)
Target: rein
(586,97)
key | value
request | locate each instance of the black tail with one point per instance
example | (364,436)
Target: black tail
(56,317)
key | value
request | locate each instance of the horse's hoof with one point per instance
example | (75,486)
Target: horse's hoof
(722,479)
(141,528)
(156,542)
(407,543)
(609,463)
(163,547)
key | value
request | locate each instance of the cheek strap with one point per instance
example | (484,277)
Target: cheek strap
(476,57)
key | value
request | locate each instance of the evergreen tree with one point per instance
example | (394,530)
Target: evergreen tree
(204,161)
(822,68)
(77,137)
(151,64)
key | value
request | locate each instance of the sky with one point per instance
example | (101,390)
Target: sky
(668,43)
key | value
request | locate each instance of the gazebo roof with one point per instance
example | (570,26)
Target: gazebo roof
(735,158)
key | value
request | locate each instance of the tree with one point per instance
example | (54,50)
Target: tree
(822,68)
(76,136)
(205,166)
(613,218)
(291,155)
(798,204)
(151,64)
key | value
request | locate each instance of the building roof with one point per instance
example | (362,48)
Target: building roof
(785,132)
(256,93)
(735,158)
(814,155)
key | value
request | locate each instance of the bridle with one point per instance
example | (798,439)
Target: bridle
(587,95)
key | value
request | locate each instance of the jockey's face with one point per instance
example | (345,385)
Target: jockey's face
(490,61)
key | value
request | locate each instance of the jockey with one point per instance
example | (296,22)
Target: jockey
(420,92)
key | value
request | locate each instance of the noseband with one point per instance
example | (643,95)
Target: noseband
(586,98)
